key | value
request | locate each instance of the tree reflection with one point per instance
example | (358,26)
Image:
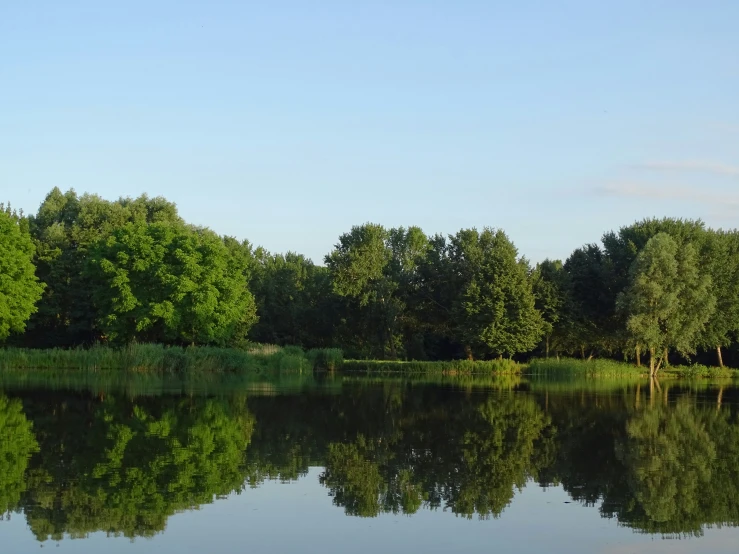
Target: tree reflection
(78,463)
(127,467)
(17,443)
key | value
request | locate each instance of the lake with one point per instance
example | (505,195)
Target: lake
(352,464)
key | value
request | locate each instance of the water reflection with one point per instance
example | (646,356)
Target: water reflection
(660,461)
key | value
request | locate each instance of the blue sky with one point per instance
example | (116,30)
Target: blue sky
(287,122)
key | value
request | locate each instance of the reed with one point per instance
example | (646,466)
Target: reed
(456,367)
(154,358)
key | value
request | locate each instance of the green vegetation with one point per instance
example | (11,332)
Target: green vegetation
(167,283)
(582,368)
(19,287)
(458,367)
(131,270)
(155,358)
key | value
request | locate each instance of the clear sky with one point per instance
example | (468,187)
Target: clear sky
(288,121)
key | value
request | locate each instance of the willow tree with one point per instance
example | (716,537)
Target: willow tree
(19,287)
(668,301)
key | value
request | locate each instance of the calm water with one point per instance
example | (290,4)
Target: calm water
(365,466)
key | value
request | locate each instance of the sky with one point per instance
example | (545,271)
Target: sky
(287,122)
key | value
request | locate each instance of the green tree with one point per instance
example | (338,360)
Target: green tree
(64,228)
(19,287)
(549,287)
(668,301)
(722,328)
(494,309)
(165,282)
(376,268)
(588,322)
(295,301)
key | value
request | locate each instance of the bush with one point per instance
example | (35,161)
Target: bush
(329,359)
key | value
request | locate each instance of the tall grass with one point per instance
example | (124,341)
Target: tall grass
(456,367)
(569,367)
(573,368)
(154,358)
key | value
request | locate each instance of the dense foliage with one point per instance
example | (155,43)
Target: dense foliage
(132,270)
(19,287)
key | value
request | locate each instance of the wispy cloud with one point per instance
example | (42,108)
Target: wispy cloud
(721,203)
(692,166)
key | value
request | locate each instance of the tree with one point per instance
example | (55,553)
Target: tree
(295,300)
(493,311)
(668,301)
(588,321)
(376,268)
(64,228)
(19,287)
(548,284)
(723,265)
(167,282)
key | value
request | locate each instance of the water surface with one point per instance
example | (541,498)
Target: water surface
(340,464)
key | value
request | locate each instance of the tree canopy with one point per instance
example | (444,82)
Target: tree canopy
(19,287)
(166,282)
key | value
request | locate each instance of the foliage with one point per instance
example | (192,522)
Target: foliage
(165,282)
(153,358)
(19,287)
(457,367)
(64,229)
(494,310)
(668,302)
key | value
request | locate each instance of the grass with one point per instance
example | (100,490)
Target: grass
(569,367)
(456,367)
(154,358)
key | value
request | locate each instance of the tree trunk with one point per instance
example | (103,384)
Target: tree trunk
(468,352)
(638,356)
(720,357)
(393,352)
(590,357)
(666,358)
(652,360)
(582,352)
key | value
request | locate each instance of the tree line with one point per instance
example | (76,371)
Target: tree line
(85,270)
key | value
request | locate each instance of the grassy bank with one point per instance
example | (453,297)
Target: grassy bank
(569,367)
(153,358)
(456,367)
